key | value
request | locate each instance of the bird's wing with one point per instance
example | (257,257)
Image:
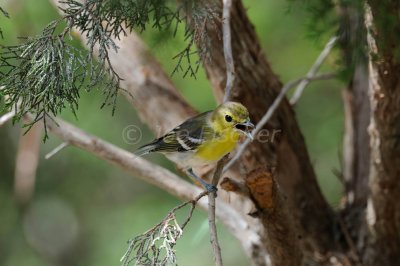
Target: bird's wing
(185,137)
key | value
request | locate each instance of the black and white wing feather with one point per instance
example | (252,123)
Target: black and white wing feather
(186,137)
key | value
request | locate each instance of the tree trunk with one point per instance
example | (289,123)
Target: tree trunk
(383,212)
(256,87)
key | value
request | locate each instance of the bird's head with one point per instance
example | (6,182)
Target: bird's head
(234,117)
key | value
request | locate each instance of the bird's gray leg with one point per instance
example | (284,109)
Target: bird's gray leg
(208,187)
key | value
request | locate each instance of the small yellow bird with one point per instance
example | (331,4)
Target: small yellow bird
(203,139)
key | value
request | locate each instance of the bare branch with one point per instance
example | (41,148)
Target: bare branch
(6,117)
(155,175)
(211,213)
(26,164)
(271,110)
(313,70)
(226,35)
(56,150)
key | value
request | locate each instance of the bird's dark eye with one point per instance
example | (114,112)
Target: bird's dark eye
(228,118)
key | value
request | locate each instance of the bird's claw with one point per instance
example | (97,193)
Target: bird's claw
(210,188)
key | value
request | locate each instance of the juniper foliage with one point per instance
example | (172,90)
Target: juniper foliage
(46,73)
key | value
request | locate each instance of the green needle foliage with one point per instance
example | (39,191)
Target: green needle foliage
(199,18)
(45,73)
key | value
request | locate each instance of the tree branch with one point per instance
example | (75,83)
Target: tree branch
(230,78)
(26,164)
(153,95)
(256,86)
(226,35)
(270,112)
(6,117)
(211,212)
(56,150)
(157,176)
(313,70)
(383,209)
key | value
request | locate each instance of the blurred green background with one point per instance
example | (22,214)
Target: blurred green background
(84,210)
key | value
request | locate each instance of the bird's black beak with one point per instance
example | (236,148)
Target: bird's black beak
(244,128)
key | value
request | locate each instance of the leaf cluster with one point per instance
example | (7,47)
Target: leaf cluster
(45,74)
(199,18)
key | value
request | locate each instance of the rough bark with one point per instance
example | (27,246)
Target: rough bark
(383,212)
(271,209)
(256,86)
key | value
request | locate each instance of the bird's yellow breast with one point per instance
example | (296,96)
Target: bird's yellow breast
(214,149)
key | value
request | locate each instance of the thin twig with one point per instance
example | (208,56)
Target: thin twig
(313,70)
(271,111)
(56,150)
(226,36)
(230,79)
(193,202)
(211,213)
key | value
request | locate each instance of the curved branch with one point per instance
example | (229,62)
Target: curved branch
(211,212)
(155,175)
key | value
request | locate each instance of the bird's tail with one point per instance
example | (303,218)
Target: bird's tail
(146,149)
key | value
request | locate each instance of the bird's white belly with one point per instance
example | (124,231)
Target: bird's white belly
(186,159)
